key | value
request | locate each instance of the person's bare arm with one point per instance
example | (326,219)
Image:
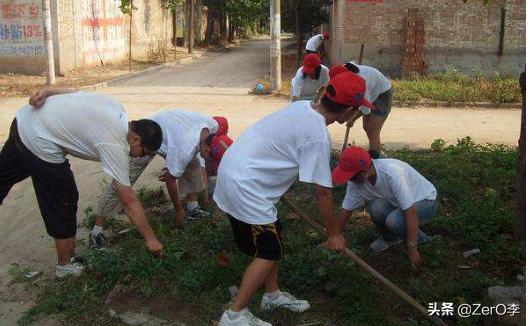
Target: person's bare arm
(325,207)
(354,118)
(412,225)
(134,210)
(206,197)
(320,92)
(38,98)
(344,217)
(174,194)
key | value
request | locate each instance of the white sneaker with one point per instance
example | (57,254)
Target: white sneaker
(246,318)
(380,244)
(72,268)
(284,300)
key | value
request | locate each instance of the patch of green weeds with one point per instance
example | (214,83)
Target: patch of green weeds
(475,184)
(17,273)
(454,86)
(451,86)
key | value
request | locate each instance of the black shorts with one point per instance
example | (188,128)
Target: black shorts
(383,103)
(54,185)
(260,241)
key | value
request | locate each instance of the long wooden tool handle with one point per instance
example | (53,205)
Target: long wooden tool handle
(349,124)
(394,288)
(346,136)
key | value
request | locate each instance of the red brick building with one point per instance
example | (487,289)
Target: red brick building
(444,34)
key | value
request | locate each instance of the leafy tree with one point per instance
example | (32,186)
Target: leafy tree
(172,4)
(313,14)
(241,14)
(245,13)
(301,17)
(127,8)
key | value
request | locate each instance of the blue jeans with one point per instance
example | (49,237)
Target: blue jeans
(390,220)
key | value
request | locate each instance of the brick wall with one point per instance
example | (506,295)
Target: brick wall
(457,35)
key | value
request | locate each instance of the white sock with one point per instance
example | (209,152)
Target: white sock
(97,229)
(234,314)
(192,205)
(273,295)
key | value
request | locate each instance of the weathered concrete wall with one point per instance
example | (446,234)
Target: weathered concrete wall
(151,28)
(21,36)
(457,35)
(86,33)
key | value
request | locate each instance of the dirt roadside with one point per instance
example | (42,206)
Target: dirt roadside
(16,85)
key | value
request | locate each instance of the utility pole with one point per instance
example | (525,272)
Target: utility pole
(276,46)
(190,28)
(48,42)
(298,32)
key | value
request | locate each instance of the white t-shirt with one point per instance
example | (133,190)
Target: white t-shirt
(261,165)
(397,182)
(85,125)
(307,88)
(376,82)
(181,132)
(313,44)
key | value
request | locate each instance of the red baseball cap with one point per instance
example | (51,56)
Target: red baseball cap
(223,125)
(348,88)
(326,35)
(352,160)
(311,62)
(219,145)
(336,69)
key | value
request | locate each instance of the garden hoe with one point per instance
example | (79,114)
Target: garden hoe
(394,288)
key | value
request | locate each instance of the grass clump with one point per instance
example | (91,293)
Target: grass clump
(454,87)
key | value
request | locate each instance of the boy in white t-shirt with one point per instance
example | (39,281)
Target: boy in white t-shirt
(398,198)
(378,92)
(315,44)
(310,80)
(88,126)
(262,164)
(187,137)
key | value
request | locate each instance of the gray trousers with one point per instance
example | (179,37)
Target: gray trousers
(190,182)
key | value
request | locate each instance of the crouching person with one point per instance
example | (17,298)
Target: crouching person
(91,127)
(398,198)
(262,164)
(187,137)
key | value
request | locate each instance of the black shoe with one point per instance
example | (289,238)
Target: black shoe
(98,241)
(198,213)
